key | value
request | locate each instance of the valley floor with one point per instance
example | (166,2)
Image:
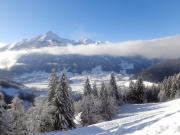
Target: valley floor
(137,119)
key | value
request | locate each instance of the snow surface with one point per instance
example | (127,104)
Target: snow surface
(136,119)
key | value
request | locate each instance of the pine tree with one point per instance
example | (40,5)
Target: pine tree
(136,91)
(131,94)
(53,80)
(173,89)
(103,87)
(95,90)
(167,85)
(108,106)
(170,88)
(64,112)
(151,93)
(17,117)
(90,107)
(89,111)
(87,88)
(114,89)
(4,119)
(140,90)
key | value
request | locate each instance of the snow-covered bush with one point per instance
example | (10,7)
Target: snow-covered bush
(17,117)
(90,106)
(90,111)
(39,117)
(108,104)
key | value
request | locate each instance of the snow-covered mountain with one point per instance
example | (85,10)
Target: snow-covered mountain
(45,40)
(86,41)
(136,119)
(48,39)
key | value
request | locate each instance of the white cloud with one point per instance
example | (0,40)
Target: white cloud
(2,45)
(168,47)
(9,58)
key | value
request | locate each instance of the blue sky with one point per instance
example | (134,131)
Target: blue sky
(112,20)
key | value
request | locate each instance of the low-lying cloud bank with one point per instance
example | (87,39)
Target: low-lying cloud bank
(168,47)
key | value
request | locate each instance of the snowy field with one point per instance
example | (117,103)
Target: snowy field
(137,119)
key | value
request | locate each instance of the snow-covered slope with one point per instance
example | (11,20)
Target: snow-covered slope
(137,119)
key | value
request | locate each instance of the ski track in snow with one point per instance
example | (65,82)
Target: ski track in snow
(136,119)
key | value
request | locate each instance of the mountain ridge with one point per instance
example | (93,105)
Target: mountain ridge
(47,40)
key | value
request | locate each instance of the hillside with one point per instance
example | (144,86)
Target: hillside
(136,119)
(158,72)
(11,89)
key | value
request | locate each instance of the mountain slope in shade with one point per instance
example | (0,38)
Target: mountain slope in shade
(79,63)
(11,89)
(136,119)
(158,72)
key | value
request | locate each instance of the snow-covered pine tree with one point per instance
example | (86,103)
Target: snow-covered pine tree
(131,94)
(87,88)
(136,91)
(167,86)
(151,93)
(103,87)
(17,117)
(173,89)
(53,80)
(139,91)
(64,109)
(95,90)
(90,106)
(4,120)
(114,89)
(108,106)
(178,86)
(170,88)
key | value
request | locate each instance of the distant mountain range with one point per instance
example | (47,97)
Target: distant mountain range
(48,39)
